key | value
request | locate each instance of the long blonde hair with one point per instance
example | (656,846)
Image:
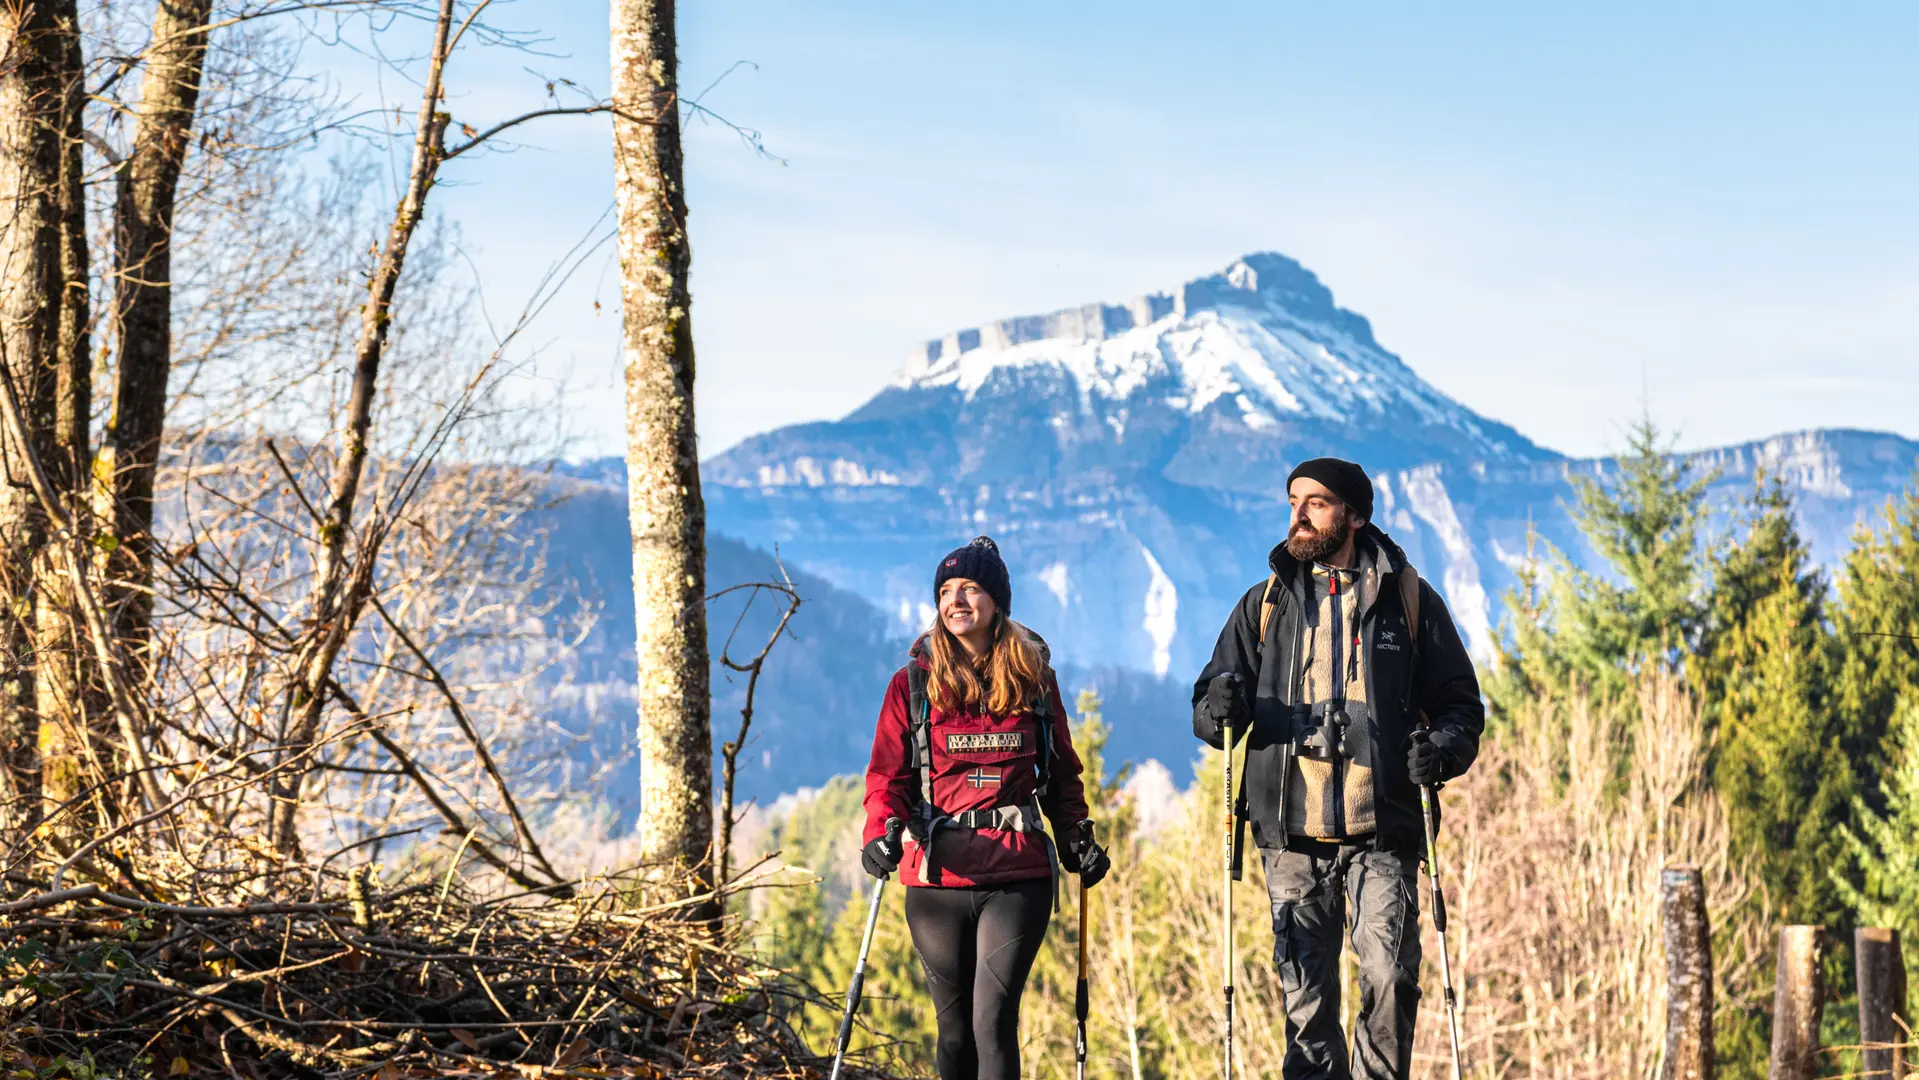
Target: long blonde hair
(1005,680)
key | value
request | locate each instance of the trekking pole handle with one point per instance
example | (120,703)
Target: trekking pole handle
(1080,1005)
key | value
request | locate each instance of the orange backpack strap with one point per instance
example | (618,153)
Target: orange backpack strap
(1409,603)
(1266,606)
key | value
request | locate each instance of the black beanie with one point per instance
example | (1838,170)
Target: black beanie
(1342,478)
(978,561)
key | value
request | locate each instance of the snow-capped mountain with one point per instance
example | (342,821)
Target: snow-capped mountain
(1130,459)
(1261,343)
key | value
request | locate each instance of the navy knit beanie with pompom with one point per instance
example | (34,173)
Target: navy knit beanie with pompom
(978,561)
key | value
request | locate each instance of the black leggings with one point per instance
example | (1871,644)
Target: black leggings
(977,945)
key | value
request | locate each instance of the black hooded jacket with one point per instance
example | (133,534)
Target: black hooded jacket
(1444,687)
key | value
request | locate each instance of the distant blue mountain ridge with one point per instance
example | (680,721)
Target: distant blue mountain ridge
(1130,460)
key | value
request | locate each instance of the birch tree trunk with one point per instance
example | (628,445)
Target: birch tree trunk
(667,512)
(34,56)
(143,298)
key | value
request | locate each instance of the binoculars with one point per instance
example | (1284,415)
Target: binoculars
(1319,731)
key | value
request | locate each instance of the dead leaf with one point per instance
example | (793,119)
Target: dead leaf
(572,1053)
(180,1067)
(466,1039)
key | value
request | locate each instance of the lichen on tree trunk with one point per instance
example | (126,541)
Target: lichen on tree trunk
(1688,935)
(77,722)
(42,324)
(1797,1004)
(667,512)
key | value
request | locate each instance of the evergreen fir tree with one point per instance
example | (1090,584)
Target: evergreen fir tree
(1762,671)
(1592,629)
(1876,630)
(1882,853)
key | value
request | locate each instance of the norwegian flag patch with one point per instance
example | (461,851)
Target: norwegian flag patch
(980,778)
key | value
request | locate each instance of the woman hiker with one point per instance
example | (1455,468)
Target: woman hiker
(973,754)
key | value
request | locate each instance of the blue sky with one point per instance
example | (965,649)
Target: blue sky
(1554,215)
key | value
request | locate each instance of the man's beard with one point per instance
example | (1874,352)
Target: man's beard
(1309,545)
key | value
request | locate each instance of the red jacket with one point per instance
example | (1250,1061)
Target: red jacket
(972,777)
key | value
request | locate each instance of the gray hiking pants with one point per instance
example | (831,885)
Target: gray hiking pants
(1311,895)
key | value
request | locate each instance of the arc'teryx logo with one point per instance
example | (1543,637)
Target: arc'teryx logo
(1389,639)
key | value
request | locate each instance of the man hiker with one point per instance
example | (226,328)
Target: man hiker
(1346,711)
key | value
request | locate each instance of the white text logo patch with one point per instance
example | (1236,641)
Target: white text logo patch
(973,743)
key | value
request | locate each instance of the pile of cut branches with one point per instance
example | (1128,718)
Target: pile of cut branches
(352,980)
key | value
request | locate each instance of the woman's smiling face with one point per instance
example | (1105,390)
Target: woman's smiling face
(965,608)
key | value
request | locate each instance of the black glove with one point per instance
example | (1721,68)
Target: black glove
(1085,857)
(881,855)
(1426,763)
(1226,700)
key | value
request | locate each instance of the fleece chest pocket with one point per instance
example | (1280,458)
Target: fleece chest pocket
(985,761)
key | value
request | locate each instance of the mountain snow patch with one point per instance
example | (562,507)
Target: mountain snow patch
(808,472)
(1162,613)
(1464,594)
(1229,340)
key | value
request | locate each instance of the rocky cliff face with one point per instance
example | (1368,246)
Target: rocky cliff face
(1130,458)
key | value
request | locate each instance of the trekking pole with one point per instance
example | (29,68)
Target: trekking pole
(894,826)
(1226,900)
(1439,924)
(1080,995)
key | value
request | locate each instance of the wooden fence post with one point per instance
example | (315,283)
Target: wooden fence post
(1796,1005)
(1882,996)
(1682,904)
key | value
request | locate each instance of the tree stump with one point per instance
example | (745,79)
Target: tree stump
(1796,1005)
(1882,1002)
(1682,904)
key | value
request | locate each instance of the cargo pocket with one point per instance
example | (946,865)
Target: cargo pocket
(1286,946)
(1407,949)
(1290,880)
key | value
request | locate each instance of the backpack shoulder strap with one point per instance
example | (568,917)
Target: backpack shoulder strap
(1409,602)
(1043,714)
(1266,605)
(919,721)
(1043,711)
